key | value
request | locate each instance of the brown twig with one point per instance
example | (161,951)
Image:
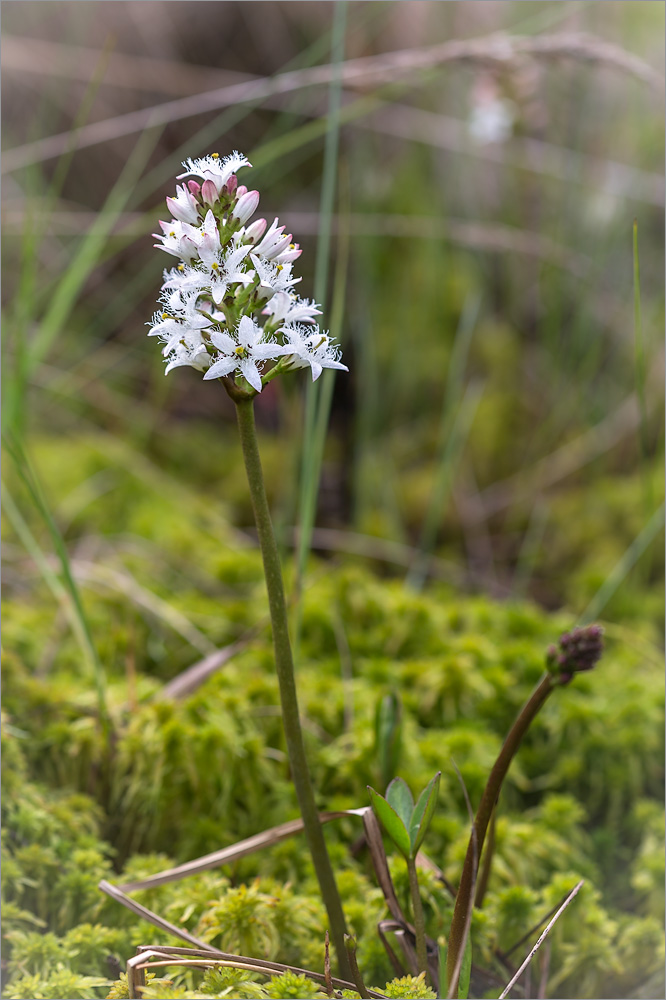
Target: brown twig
(327,966)
(367,71)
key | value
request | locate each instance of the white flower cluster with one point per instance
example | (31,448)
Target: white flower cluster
(228,307)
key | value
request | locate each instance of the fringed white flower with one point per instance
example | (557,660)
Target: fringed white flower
(228,308)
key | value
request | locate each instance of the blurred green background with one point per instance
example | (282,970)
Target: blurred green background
(481,236)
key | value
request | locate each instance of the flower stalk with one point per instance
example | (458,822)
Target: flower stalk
(577,651)
(285,673)
(481,820)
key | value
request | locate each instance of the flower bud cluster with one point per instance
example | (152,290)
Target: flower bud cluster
(229,307)
(577,651)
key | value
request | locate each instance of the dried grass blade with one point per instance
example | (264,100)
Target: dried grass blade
(385,68)
(546,931)
(193,677)
(227,959)
(232,853)
(142,911)
(379,863)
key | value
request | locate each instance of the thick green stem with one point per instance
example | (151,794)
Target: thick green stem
(484,812)
(285,672)
(419,920)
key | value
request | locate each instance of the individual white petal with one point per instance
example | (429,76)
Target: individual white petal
(251,373)
(269,351)
(218,290)
(223,341)
(222,367)
(248,332)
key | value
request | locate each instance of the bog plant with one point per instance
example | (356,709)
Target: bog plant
(228,308)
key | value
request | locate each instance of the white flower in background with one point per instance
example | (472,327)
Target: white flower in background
(313,348)
(228,306)
(245,353)
(214,168)
(492,117)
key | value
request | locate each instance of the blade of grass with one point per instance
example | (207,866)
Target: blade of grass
(50,577)
(622,568)
(641,368)
(529,550)
(90,248)
(29,479)
(451,449)
(318,398)
(454,425)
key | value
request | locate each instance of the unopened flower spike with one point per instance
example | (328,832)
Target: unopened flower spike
(576,651)
(228,307)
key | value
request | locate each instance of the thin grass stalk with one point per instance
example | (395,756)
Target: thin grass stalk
(28,298)
(419,919)
(90,249)
(641,368)
(448,442)
(450,455)
(623,567)
(480,826)
(50,577)
(311,466)
(30,481)
(284,666)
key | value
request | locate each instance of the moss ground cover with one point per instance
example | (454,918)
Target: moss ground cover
(184,777)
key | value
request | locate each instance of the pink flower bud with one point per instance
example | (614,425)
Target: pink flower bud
(245,206)
(256,230)
(194,188)
(209,193)
(241,191)
(232,184)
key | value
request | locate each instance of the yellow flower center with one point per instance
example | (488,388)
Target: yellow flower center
(215,156)
(240,351)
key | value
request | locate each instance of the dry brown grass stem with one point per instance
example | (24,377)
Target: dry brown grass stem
(43,57)
(369,71)
(570,898)
(158,956)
